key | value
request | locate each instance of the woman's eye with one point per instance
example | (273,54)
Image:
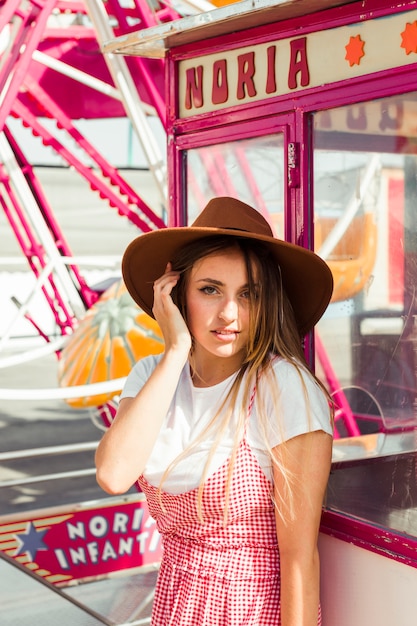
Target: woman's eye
(209,290)
(250,294)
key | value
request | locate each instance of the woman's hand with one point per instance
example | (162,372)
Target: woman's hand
(167,314)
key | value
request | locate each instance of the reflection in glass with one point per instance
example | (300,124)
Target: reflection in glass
(364,197)
(249,169)
(365,191)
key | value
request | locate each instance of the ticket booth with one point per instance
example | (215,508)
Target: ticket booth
(308,111)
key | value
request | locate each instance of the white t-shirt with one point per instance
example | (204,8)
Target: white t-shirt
(192,409)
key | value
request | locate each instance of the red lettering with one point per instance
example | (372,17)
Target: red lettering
(298,63)
(271,82)
(356,121)
(220,88)
(194,87)
(393,122)
(245,74)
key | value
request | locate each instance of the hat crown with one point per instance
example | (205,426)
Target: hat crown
(232,214)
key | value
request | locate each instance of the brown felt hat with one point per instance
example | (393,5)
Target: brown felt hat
(306,278)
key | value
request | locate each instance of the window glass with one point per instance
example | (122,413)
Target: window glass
(249,169)
(365,200)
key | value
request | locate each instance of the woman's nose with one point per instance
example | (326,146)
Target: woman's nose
(229,311)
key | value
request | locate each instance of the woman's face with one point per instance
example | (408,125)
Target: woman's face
(218,304)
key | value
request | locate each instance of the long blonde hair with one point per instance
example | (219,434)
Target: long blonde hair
(273,333)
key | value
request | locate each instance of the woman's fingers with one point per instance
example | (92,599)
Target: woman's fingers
(167,314)
(164,285)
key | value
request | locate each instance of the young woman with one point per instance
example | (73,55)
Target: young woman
(228,431)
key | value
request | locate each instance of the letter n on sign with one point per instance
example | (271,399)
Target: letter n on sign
(194,87)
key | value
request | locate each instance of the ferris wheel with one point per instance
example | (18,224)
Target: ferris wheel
(53,74)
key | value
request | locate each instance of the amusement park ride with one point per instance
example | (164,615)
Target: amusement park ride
(258,130)
(52,68)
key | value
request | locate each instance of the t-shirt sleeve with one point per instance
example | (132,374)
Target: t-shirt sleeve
(299,407)
(139,375)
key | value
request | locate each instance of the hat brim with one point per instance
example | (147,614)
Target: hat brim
(307,279)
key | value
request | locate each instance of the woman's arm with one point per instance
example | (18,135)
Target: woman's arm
(307,459)
(125,448)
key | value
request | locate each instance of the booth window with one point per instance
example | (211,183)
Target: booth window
(249,169)
(365,215)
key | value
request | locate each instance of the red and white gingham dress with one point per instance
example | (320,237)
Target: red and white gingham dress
(211,574)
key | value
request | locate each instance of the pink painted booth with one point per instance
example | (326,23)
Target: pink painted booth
(307,110)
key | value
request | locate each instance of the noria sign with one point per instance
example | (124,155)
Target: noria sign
(86,542)
(278,67)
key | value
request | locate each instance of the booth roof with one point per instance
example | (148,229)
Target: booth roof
(154,42)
